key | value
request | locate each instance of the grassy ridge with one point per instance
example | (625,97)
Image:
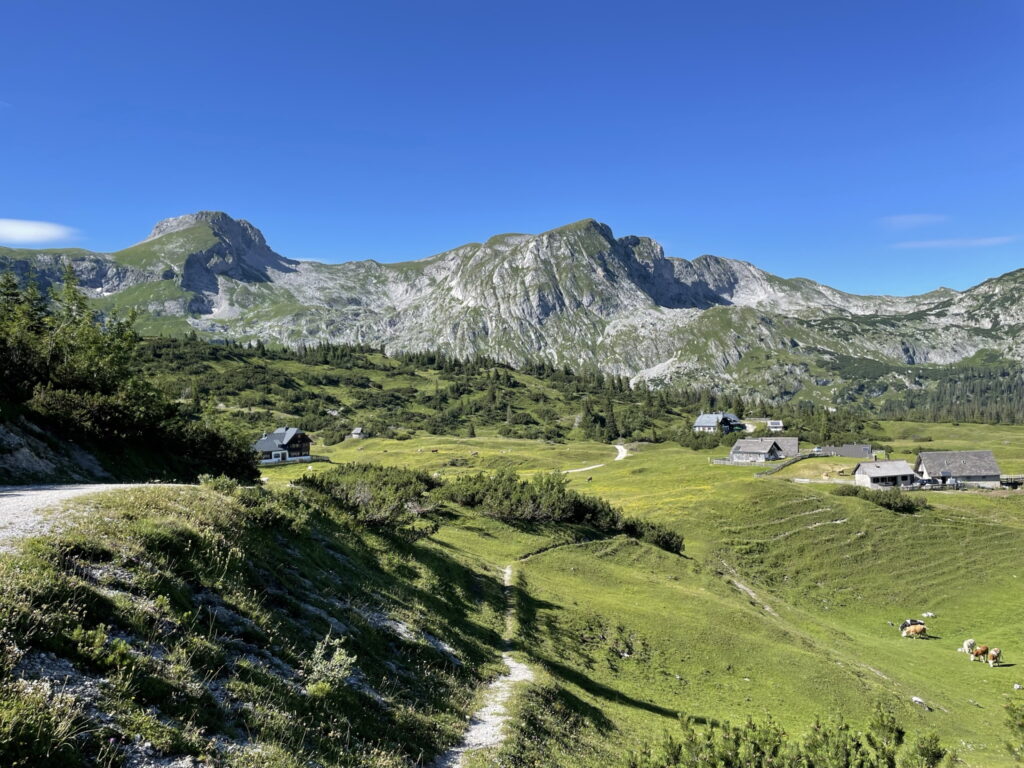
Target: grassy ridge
(222,626)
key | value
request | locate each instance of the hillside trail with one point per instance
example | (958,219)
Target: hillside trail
(23,508)
(487,725)
(620,454)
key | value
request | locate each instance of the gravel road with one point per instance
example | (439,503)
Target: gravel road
(23,507)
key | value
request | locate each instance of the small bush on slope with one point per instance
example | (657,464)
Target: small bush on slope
(547,499)
(765,745)
(892,499)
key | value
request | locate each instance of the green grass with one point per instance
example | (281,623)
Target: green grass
(144,294)
(198,608)
(833,585)
(436,452)
(170,249)
(781,604)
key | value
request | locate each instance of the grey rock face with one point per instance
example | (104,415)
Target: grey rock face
(575,295)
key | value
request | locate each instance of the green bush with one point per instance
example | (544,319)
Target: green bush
(892,499)
(387,497)
(328,667)
(548,499)
(766,745)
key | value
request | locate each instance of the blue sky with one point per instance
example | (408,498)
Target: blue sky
(874,146)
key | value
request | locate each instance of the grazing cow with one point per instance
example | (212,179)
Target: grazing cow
(915,630)
(590,479)
(995,656)
(980,653)
(967,647)
(910,623)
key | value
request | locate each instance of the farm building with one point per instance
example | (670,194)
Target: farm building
(789,446)
(847,451)
(282,444)
(776,425)
(977,468)
(884,474)
(357,434)
(717,422)
(755,450)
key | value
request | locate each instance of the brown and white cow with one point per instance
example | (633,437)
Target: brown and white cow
(980,653)
(915,630)
(995,656)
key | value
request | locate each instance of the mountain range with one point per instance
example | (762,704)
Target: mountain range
(575,296)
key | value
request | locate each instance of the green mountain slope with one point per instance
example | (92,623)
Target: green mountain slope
(575,295)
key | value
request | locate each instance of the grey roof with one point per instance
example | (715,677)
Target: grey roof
(790,446)
(958,463)
(277,439)
(708,420)
(714,419)
(775,423)
(883,468)
(848,450)
(755,445)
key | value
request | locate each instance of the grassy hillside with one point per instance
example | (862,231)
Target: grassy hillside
(241,629)
(779,605)
(833,571)
(629,636)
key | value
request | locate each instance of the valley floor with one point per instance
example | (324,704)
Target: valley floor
(782,604)
(785,602)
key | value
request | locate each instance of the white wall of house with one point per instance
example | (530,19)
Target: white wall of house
(866,481)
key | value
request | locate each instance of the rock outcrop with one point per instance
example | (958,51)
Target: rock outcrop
(575,295)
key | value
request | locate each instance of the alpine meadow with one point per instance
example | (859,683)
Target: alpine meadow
(362,481)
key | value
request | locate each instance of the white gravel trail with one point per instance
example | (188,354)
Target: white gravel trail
(620,454)
(23,508)
(487,726)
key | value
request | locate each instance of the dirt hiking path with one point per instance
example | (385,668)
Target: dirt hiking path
(620,454)
(487,725)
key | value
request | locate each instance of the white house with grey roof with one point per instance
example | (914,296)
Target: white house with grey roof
(717,422)
(755,450)
(974,468)
(884,474)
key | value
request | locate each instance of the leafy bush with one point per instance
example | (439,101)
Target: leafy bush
(375,495)
(547,499)
(766,745)
(892,499)
(328,668)
(654,533)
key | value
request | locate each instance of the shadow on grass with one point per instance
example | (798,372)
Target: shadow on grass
(603,691)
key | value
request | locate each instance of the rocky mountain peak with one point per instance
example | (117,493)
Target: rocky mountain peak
(238,232)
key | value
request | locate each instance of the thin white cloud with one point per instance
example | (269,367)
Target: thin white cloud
(913,220)
(957,242)
(25,232)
